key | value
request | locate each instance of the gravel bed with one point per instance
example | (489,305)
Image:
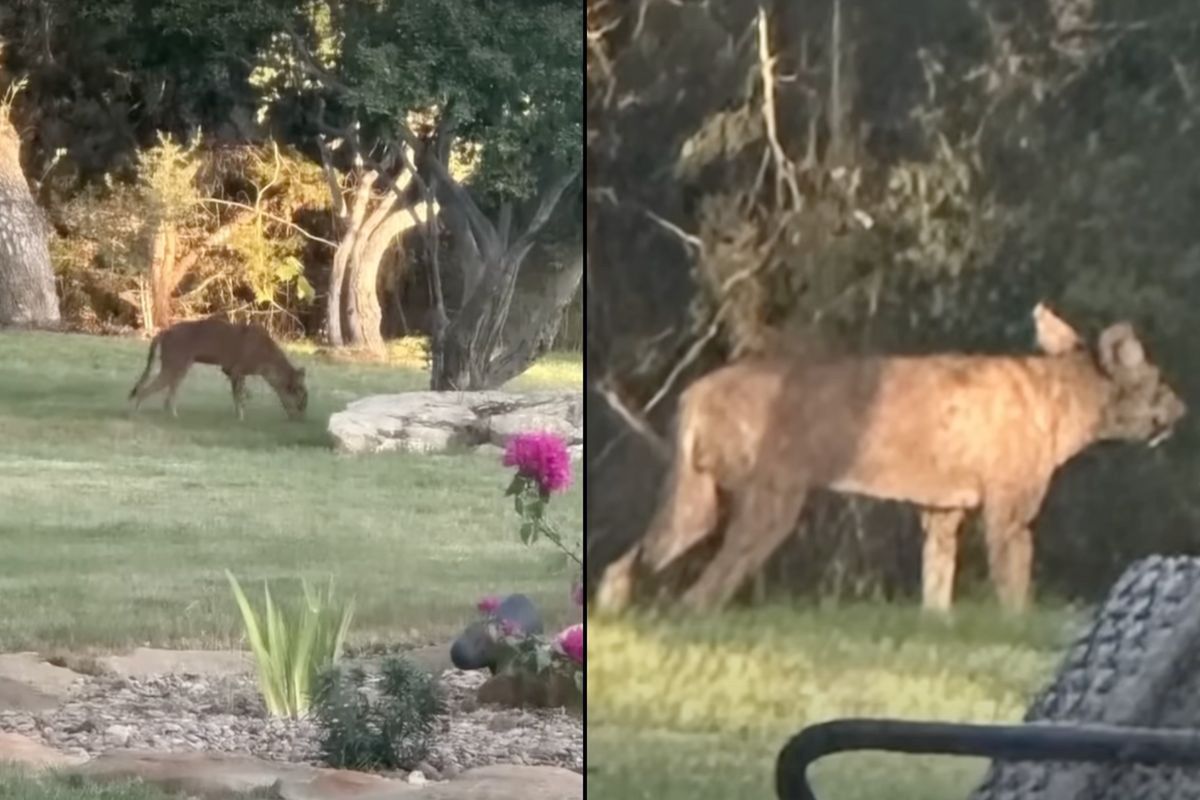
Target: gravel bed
(186,712)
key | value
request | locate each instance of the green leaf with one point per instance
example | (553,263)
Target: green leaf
(528,533)
(304,289)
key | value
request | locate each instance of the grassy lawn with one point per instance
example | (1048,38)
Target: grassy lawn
(15,783)
(116,531)
(699,708)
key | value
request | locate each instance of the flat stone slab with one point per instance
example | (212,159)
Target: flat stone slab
(16,696)
(25,752)
(216,777)
(508,782)
(145,661)
(30,676)
(437,422)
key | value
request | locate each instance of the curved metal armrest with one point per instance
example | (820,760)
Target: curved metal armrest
(1029,742)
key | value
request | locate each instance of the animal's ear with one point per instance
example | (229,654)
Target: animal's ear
(1054,336)
(1120,350)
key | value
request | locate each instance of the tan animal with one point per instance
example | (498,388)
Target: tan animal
(239,349)
(950,433)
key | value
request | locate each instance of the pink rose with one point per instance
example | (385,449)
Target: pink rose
(570,641)
(488,605)
(541,457)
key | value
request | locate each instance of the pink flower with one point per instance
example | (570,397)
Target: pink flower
(570,641)
(510,628)
(488,604)
(541,457)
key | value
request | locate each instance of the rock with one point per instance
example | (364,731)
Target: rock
(208,775)
(521,690)
(417,778)
(212,776)
(1134,666)
(435,422)
(503,427)
(16,696)
(146,661)
(18,749)
(509,782)
(33,672)
(336,784)
(117,735)
(475,648)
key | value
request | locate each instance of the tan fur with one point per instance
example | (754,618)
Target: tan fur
(950,433)
(239,349)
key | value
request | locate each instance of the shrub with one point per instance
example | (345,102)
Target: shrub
(294,644)
(391,730)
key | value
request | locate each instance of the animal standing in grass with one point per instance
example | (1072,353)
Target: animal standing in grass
(950,433)
(239,349)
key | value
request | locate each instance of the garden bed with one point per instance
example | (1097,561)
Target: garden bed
(225,714)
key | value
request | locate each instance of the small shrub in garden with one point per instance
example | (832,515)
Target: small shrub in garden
(293,644)
(388,729)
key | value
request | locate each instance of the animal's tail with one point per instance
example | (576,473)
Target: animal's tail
(149,365)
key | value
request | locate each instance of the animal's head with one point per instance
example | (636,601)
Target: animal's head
(294,394)
(1141,407)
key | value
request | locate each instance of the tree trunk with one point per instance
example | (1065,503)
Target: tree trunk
(163,275)
(471,353)
(530,332)
(352,219)
(365,315)
(27,292)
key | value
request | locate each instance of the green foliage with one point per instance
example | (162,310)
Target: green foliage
(293,644)
(390,730)
(530,504)
(506,75)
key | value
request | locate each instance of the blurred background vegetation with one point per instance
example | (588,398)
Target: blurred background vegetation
(900,177)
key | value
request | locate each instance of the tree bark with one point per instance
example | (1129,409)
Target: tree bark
(27,291)
(365,317)
(468,354)
(163,275)
(529,335)
(352,220)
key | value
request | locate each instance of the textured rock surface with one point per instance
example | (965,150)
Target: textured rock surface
(26,752)
(214,776)
(1137,664)
(146,661)
(434,422)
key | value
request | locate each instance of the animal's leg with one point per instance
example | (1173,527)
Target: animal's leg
(237,383)
(687,516)
(615,592)
(939,556)
(145,390)
(174,379)
(1007,522)
(760,520)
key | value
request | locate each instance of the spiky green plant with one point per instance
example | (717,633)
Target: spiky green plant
(293,644)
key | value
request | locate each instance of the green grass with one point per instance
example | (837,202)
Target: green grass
(22,785)
(699,708)
(116,531)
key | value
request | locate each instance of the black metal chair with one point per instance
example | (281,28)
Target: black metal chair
(1028,742)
